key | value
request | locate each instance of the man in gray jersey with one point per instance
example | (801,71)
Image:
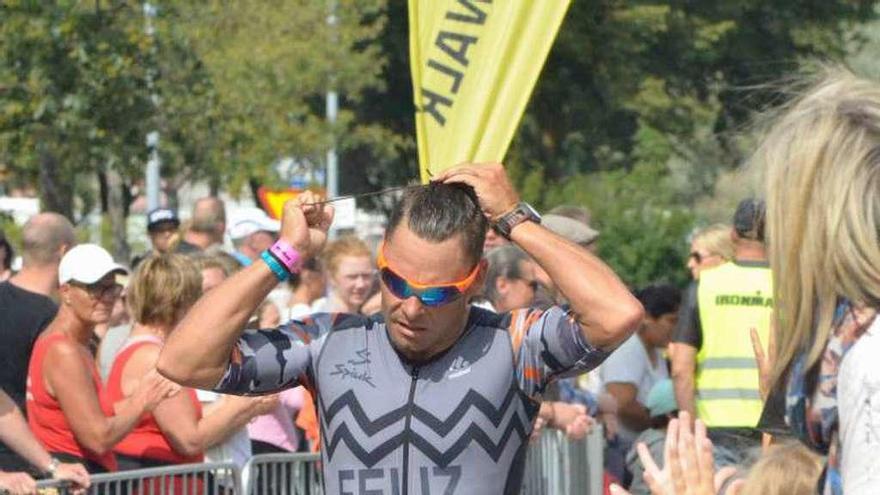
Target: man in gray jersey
(432,396)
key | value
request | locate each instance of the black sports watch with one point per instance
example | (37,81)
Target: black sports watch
(523,212)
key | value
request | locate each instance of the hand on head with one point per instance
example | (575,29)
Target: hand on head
(305,222)
(496,194)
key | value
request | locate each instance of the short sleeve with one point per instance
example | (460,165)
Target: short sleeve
(270,360)
(688,330)
(549,345)
(626,364)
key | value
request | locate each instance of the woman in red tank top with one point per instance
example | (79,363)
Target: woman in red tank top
(162,289)
(63,389)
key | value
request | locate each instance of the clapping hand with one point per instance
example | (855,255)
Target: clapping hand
(688,466)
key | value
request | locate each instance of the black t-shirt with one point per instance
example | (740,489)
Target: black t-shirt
(23,315)
(688,330)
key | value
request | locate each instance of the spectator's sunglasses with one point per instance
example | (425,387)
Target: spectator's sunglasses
(100,290)
(429,295)
(697,257)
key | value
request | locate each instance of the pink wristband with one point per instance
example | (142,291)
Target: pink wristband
(287,255)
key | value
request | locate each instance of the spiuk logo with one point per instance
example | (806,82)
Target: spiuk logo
(356,369)
(459,367)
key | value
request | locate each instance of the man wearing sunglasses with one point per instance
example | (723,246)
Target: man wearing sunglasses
(432,395)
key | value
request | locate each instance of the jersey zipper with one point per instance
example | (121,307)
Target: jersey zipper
(406,431)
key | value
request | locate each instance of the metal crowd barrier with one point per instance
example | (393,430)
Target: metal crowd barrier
(556,465)
(282,474)
(185,479)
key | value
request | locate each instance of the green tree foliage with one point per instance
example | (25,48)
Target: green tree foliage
(641,107)
(639,112)
(230,86)
(70,94)
(271,64)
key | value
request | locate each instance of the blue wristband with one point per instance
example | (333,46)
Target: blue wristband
(280,272)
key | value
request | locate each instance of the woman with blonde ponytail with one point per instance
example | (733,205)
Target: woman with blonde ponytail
(822,159)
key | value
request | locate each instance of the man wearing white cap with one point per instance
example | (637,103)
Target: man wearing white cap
(252,232)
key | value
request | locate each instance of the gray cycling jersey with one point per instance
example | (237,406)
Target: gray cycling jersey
(456,425)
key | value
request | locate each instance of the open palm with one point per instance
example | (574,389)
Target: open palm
(688,466)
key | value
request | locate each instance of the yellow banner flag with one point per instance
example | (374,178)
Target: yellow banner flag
(474,64)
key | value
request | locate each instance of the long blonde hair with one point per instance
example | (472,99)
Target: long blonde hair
(822,160)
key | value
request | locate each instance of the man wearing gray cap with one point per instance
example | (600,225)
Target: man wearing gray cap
(571,229)
(572,223)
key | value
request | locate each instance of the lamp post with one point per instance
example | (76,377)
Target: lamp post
(154,163)
(332,106)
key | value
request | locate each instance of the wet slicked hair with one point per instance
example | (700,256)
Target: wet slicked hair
(438,212)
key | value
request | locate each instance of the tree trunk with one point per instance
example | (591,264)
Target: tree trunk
(102,191)
(56,194)
(214,185)
(116,212)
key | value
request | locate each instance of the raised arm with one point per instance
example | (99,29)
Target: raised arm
(198,351)
(606,310)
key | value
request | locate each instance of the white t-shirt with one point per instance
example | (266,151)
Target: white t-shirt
(630,364)
(236,448)
(300,310)
(858,399)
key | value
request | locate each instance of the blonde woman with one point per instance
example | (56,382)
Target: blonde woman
(822,158)
(710,247)
(162,290)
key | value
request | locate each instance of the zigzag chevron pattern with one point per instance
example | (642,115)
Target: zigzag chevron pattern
(471,400)
(349,400)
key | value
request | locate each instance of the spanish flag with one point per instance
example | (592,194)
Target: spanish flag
(474,64)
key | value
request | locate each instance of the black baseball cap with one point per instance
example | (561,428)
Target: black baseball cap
(161,216)
(748,221)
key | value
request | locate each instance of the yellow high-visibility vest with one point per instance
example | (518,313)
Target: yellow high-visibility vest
(732,299)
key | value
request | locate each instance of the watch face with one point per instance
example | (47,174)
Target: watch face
(533,214)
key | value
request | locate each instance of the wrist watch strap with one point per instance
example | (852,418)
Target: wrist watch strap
(521,213)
